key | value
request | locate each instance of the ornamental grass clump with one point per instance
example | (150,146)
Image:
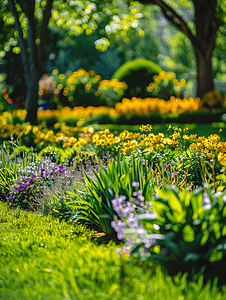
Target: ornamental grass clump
(94,206)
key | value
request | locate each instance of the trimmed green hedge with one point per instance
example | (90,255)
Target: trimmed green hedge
(137,74)
(199,117)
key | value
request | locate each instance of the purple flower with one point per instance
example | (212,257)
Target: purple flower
(132,221)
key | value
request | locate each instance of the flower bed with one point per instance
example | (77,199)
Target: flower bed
(162,195)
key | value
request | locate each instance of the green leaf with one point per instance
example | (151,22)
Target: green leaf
(192,257)
(205,237)
(188,233)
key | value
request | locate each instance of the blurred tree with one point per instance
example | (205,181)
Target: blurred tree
(32,19)
(200,24)
(31,40)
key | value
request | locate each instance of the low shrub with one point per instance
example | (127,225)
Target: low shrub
(165,85)
(137,74)
(213,100)
(183,231)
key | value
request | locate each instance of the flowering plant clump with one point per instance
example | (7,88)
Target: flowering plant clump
(111,91)
(23,193)
(166,85)
(126,224)
(6,103)
(80,88)
(78,113)
(213,100)
(47,86)
(31,180)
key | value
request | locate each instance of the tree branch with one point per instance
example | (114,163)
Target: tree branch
(177,21)
(21,41)
(23,5)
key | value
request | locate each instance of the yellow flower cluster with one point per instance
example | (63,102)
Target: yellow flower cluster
(65,136)
(169,76)
(113,83)
(164,75)
(17,131)
(149,105)
(77,112)
(80,77)
(42,137)
(212,146)
(8,117)
(68,137)
(165,85)
(130,142)
(81,73)
(213,99)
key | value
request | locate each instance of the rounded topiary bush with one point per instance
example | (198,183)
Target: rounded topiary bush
(137,74)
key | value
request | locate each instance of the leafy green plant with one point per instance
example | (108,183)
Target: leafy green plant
(191,231)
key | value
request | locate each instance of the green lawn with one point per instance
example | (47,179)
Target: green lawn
(44,259)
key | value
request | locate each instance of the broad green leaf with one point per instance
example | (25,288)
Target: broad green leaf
(188,233)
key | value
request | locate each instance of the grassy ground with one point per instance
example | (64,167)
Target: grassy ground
(44,259)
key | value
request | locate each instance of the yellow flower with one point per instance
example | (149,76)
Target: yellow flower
(72,87)
(147,127)
(80,123)
(35,129)
(61,76)
(55,71)
(186,137)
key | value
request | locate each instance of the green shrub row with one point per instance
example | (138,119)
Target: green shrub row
(199,117)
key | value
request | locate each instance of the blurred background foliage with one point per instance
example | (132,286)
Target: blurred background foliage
(101,36)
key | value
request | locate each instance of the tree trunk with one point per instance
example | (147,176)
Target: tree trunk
(32,61)
(206,24)
(206,29)
(32,97)
(204,73)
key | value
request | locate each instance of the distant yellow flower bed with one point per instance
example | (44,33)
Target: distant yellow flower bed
(149,105)
(76,112)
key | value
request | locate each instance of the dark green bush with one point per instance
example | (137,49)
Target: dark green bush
(137,74)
